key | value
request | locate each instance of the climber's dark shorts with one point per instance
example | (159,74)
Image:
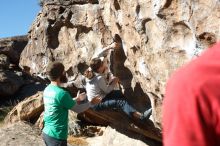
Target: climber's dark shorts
(50,141)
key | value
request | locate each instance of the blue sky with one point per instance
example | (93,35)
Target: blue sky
(16,16)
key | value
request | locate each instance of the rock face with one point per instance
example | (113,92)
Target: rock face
(12,47)
(11,78)
(10,82)
(157,37)
(20,134)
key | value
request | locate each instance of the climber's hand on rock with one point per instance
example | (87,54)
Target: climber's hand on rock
(115,45)
(114,81)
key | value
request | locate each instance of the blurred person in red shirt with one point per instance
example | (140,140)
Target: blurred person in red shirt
(191,108)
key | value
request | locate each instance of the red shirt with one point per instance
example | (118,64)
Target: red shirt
(191,108)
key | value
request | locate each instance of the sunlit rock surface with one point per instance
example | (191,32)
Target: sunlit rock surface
(157,37)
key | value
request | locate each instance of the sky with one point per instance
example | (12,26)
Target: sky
(16,16)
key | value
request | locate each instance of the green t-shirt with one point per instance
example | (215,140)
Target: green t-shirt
(57,101)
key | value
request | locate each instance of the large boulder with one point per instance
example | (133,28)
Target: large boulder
(157,37)
(111,137)
(27,110)
(122,123)
(20,134)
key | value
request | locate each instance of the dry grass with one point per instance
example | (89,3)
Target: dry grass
(77,141)
(1,123)
(3,112)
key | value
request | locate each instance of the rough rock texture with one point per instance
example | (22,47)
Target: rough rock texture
(4,62)
(157,36)
(111,137)
(11,78)
(118,120)
(20,134)
(12,47)
(10,82)
(27,110)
